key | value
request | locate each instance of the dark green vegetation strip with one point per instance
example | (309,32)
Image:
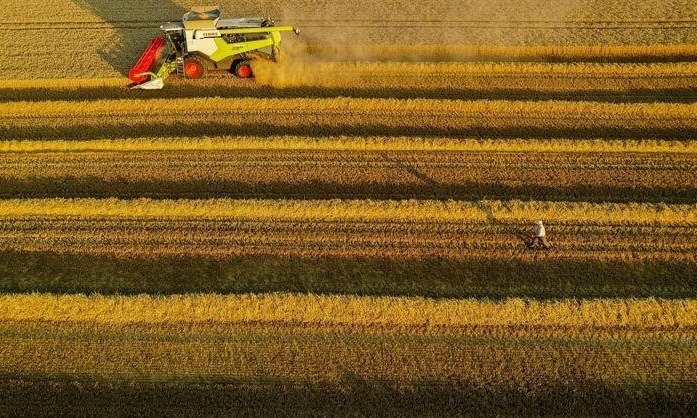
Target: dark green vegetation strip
(352,397)
(438,278)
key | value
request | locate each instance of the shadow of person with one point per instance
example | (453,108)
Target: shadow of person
(135,27)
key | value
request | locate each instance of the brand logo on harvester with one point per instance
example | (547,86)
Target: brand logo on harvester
(210,33)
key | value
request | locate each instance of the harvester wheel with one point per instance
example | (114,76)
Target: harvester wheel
(193,68)
(243,70)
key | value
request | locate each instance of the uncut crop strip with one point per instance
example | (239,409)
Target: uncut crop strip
(346,229)
(316,239)
(346,174)
(216,116)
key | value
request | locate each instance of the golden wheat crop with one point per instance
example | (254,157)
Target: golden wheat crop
(308,357)
(347,310)
(424,76)
(523,53)
(302,338)
(485,108)
(181,293)
(61,83)
(355,210)
(407,230)
(251,168)
(354,143)
(218,116)
(100,38)
(462,76)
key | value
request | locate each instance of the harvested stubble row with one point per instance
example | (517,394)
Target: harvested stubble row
(627,347)
(219,116)
(129,169)
(223,240)
(440,249)
(410,229)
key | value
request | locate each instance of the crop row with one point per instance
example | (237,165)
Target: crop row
(356,210)
(353,143)
(69,54)
(208,169)
(676,52)
(542,77)
(628,347)
(308,106)
(122,171)
(500,363)
(408,235)
(345,116)
(118,311)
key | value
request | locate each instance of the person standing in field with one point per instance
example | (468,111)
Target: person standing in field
(540,239)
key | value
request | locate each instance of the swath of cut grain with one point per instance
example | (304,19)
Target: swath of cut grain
(353,143)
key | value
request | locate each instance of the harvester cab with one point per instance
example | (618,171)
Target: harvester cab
(201,42)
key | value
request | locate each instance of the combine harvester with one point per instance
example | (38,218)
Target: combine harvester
(203,41)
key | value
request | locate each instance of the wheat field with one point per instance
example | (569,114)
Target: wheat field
(348,233)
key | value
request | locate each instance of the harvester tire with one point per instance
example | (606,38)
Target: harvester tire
(243,69)
(193,68)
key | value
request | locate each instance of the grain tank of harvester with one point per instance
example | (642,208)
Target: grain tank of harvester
(202,41)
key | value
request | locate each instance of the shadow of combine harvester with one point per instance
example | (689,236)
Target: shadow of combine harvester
(135,27)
